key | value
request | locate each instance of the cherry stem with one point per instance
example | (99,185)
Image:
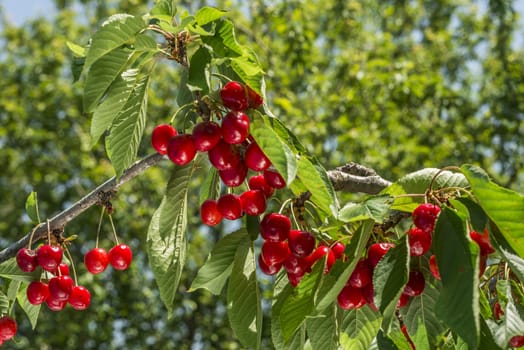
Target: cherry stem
(48,233)
(99,225)
(292,214)
(451,167)
(31,237)
(72,265)
(114,230)
(286,202)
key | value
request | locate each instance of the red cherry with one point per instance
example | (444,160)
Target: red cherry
(497,311)
(254,99)
(258,182)
(296,266)
(55,305)
(376,251)
(362,275)
(26,260)
(80,298)
(294,280)
(433,267)
(419,241)
(235,127)
(206,135)
(234,96)
(255,158)
(60,287)
(234,176)
(181,149)
(301,243)
(274,179)
(230,206)
(62,269)
(49,257)
(424,216)
(338,249)
(275,227)
(161,136)
(350,298)
(209,213)
(369,295)
(517,341)
(253,202)
(404,299)
(224,156)
(318,254)
(415,285)
(268,269)
(96,260)
(8,328)
(483,241)
(37,292)
(274,252)
(120,256)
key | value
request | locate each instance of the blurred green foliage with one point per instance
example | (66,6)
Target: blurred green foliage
(394,85)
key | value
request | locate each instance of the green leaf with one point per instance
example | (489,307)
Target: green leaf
(117,96)
(375,208)
(10,270)
(477,217)
(164,7)
(277,151)
(144,42)
(208,14)
(513,317)
(358,328)
(389,278)
(486,337)
(127,129)
(210,188)
(224,42)
(4,304)
(316,180)
(166,236)
(198,78)
(253,226)
(515,262)
(243,299)
(384,342)
(418,182)
(322,329)
(31,207)
(115,32)
(217,268)
(503,206)
(455,257)
(31,311)
(77,50)
(102,74)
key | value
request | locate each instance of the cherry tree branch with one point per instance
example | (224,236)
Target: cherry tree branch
(351,177)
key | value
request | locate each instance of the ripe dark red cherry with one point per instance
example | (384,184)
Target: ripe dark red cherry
(60,287)
(120,256)
(181,149)
(96,260)
(209,213)
(161,136)
(230,206)
(369,295)
(362,275)
(49,257)
(8,328)
(256,159)
(301,243)
(224,156)
(254,99)
(206,135)
(415,285)
(274,179)
(258,182)
(350,298)
(37,292)
(274,252)
(234,176)
(80,298)
(268,269)
(26,260)
(376,251)
(253,202)
(235,127)
(483,241)
(433,267)
(234,96)
(517,341)
(296,266)
(275,227)
(424,216)
(55,305)
(318,254)
(338,249)
(419,241)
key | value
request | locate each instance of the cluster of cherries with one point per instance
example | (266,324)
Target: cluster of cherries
(231,150)
(8,328)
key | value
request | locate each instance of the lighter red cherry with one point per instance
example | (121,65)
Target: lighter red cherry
(338,249)
(181,149)
(517,341)
(483,241)
(224,156)
(274,252)
(433,267)
(235,127)
(209,213)
(419,241)
(254,99)
(369,295)
(255,158)
(120,256)
(55,305)
(301,243)
(415,285)
(49,257)
(350,298)
(274,179)
(376,251)
(318,254)
(402,301)
(275,227)
(258,182)
(26,260)
(425,215)
(206,135)
(296,266)
(230,206)
(234,176)
(62,269)
(161,136)
(8,328)
(362,275)
(268,269)
(37,292)
(96,260)
(234,96)
(60,287)
(253,202)
(80,298)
